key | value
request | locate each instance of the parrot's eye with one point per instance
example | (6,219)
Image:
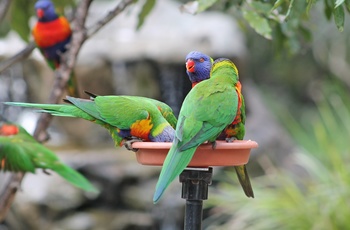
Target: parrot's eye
(201,60)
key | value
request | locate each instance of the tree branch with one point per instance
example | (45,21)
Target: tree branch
(23,54)
(4,6)
(62,75)
(7,197)
(111,14)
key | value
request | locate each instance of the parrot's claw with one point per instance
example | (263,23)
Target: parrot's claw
(128,144)
(46,172)
(213,144)
(230,139)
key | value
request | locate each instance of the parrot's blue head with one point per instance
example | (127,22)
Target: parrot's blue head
(198,66)
(45,11)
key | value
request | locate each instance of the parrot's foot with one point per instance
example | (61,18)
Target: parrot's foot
(46,172)
(230,139)
(128,144)
(213,144)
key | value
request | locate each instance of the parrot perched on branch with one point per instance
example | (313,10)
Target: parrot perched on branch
(198,67)
(20,152)
(127,118)
(52,35)
(207,109)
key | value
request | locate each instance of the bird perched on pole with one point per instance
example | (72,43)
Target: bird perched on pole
(207,109)
(52,35)
(198,66)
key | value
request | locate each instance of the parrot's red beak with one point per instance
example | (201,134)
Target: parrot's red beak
(40,13)
(8,130)
(190,65)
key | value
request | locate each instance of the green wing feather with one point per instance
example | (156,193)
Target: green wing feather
(111,112)
(13,157)
(22,153)
(164,109)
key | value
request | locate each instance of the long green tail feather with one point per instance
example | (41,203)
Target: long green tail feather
(244,180)
(74,177)
(174,164)
(56,110)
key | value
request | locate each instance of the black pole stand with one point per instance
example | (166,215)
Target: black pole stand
(195,182)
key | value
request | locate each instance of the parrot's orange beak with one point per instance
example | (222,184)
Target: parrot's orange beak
(190,65)
(40,13)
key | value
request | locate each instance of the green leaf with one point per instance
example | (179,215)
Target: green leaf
(146,9)
(20,12)
(309,5)
(4,28)
(328,10)
(205,4)
(258,23)
(277,4)
(262,7)
(306,33)
(289,8)
(338,3)
(339,17)
(347,4)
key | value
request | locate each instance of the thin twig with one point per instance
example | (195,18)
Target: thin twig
(111,14)
(7,197)
(4,6)
(23,54)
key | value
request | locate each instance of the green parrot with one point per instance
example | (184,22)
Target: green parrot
(127,118)
(198,67)
(20,152)
(207,109)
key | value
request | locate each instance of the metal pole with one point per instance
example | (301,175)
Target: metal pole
(195,182)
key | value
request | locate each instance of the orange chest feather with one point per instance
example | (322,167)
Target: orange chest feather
(141,129)
(239,93)
(48,34)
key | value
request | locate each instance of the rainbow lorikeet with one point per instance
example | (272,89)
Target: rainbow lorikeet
(207,109)
(52,35)
(125,117)
(198,67)
(20,152)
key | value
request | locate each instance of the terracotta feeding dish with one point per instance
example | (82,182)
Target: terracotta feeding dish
(225,154)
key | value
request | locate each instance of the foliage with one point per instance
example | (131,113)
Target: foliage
(146,9)
(316,194)
(285,21)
